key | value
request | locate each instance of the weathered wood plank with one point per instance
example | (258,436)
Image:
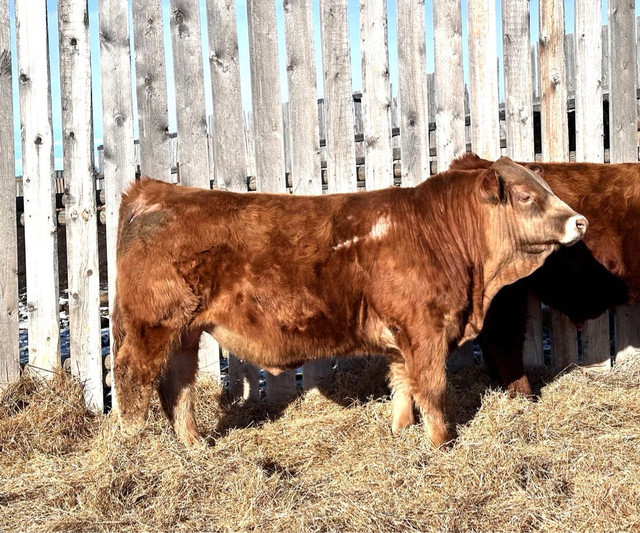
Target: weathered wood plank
(449,104)
(623,135)
(189,83)
(303,129)
(376,95)
(119,165)
(269,146)
(230,163)
(555,144)
(10,354)
(570,63)
(191,114)
(412,92)
(41,247)
(518,81)
(449,84)
(85,343)
(341,161)
(588,98)
(485,131)
(151,89)
(590,143)
(553,98)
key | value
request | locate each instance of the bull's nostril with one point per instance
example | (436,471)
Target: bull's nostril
(581,223)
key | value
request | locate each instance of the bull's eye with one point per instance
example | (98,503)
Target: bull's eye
(523,197)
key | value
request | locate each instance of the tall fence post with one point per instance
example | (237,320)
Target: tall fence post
(193,146)
(9,353)
(269,136)
(623,135)
(80,199)
(412,92)
(376,95)
(340,142)
(117,128)
(151,89)
(41,246)
(590,143)
(518,82)
(304,131)
(449,97)
(555,145)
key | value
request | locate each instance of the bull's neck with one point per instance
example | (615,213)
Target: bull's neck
(452,229)
(452,219)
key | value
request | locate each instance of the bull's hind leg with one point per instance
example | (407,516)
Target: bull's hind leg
(402,401)
(176,393)
(137,368)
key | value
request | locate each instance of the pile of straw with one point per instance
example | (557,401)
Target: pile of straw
(570,461)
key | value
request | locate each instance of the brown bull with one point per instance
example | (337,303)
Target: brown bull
(280,280)
(582,281)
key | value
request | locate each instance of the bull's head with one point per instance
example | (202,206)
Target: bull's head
(527,222)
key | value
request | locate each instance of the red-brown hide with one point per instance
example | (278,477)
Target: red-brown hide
(582,281)
(280,280)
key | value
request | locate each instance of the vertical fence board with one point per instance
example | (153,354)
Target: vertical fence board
(340,142)
(189,83)
(485,131)
(450,111)
(623,135)
(151,89)
(518,81)
(589,142)
(117,118)
(85,342)
(269,146)
(9,354)
(193,147)
(230,159)
(376,95)
(555,143)
(41,245)
(449,84)
(303,129)
(412,92)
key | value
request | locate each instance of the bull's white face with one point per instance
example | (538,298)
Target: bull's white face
(538,221)
(527,223)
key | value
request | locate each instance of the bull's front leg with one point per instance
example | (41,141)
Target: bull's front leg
(425,378)
(402,399)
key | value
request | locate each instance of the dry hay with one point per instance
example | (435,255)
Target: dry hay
(570,461)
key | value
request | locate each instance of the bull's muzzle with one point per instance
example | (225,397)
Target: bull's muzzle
(574,229)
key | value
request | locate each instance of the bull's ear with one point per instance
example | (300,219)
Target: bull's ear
(493,187)
(533,167)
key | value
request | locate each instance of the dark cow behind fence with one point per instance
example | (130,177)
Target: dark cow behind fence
(582,281)
(280,280)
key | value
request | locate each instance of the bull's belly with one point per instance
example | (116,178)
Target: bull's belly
(281,351)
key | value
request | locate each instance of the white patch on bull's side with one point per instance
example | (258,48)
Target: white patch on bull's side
(380,228)
(572,231)
(346,243)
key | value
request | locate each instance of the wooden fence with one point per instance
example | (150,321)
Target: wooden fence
(554,94)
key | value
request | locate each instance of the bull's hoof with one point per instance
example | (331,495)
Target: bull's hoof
(130,427)
(520,387)
(192,439)
(441,438)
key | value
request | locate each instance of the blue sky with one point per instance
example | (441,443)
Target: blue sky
(241,11)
